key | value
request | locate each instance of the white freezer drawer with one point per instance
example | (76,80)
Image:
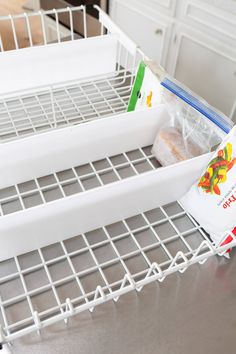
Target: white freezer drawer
(85,187)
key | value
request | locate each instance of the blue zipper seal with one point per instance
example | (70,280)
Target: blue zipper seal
(223,123)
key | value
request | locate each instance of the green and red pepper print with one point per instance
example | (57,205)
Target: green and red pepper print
(217,170)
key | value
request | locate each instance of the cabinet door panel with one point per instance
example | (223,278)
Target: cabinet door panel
(206,71)
(166,7)
(210,19)
(149,34)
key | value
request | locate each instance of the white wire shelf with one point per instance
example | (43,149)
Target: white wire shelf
(42,107)
(56,282)
(70,104)
(76,180)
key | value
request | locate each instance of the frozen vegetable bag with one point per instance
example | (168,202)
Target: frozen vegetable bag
(212,198)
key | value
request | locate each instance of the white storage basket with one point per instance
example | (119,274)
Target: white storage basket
(87,204)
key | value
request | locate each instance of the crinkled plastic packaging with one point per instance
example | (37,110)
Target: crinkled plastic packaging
(187,134)
(169,147)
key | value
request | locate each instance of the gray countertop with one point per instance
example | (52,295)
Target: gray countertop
(194,312)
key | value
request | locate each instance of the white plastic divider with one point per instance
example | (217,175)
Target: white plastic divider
(42,225)
(33,67)
(40,155)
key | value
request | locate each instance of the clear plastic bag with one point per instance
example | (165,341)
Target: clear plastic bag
(194,127)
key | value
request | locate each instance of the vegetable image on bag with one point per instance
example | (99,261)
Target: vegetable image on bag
(212,198)
(217,170)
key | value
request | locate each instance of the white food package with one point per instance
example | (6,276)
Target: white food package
(212,198)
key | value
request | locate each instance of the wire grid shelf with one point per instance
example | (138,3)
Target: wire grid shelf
(30,112)
(76,180)
(75,103)
(61,280)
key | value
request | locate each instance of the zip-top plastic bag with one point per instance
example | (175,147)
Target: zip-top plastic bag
(194,127)
(212,198)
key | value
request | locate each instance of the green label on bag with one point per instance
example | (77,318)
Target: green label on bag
(137,87)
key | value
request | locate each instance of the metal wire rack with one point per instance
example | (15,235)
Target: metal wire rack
(75,103)
(31,111)
(56,282)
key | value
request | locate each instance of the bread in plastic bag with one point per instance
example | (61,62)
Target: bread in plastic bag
(212,198)
(169,147)
(187,134)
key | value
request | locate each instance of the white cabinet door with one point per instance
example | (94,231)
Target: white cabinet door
(149,32)
(205,69)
